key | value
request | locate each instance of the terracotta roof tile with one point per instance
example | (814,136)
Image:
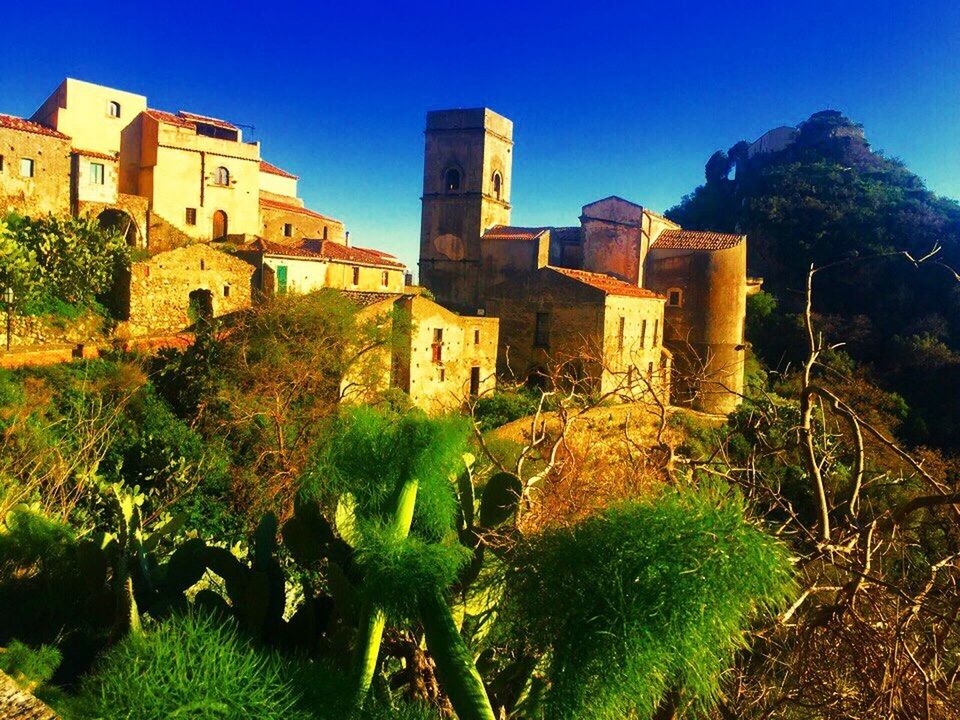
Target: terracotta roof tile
(606,283)
(169,118)
(695,240)
(95,154)
(274,170)
(508,232)
(207,120)
(286,207)
(323,249)
(15,123)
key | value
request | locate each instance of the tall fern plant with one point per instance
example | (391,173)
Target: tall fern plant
(641,608)
(392,474)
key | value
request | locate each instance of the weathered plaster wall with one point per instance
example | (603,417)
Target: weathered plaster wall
(640,351)
(79,109)
(305,224)
(48,191)
(85,189)
(510,259)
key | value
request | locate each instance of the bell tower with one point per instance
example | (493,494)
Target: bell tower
(466,191)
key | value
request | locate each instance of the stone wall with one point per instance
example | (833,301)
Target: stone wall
(48,191)
(303,223)
(166,292)
(31,330)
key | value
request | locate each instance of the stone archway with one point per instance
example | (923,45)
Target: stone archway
(201,306)
(220,228)
(122,222)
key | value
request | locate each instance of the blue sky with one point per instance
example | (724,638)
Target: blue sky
(626,98)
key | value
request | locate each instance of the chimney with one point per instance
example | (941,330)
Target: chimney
(346,240)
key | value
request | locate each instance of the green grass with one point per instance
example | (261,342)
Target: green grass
(191,667)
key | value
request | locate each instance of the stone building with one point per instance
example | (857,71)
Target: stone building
(308,265)
(34,168)
(175,289)
(166,179)
(439,358)
(621,299)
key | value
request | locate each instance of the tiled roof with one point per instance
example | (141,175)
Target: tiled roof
(695,240)
(169,118)
(95,154)
(606,283)
(207,120)
(14,123)
(381,253)
(567,235)
(366,299)
(323,249)
(508,232)
(286,207)
(274,170)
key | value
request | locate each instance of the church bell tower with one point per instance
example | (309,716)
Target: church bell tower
(466,191)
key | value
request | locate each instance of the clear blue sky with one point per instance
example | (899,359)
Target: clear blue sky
(605,99)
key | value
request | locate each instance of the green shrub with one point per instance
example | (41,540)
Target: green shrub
(29,667)
(53,589)
(191,667)
(650,598)
(492,411)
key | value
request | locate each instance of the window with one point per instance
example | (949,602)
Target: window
(643,334)
(223,176)
(443,374)
(451,180)
(324,232)
(476,337)
(113,109)
(356,276)
(650,371)
(287,229)
(436,349)
(1,163)
(26,167)
(203,265)
(191,216)
(656,331)
(96,174)
(385,278)
(541,332)
(497,185)
(675,297)
(226,291)
(474,381)
(620,328)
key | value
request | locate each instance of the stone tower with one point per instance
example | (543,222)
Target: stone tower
(466,191)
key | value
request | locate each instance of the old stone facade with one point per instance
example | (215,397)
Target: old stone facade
(175,289)
(91,146)
(626,297)
(168,181)
(34,168)
(440,359)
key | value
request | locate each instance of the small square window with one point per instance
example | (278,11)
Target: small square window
(356,276)
(191,216)
(287,229)
(96,174)
(26,167)
(675,297)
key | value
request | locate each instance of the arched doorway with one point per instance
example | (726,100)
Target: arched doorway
(120,221)
(219,224)
(201,306)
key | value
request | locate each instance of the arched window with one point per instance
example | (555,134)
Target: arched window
(223,176)
(497,185)
(451,180)
(113,109)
